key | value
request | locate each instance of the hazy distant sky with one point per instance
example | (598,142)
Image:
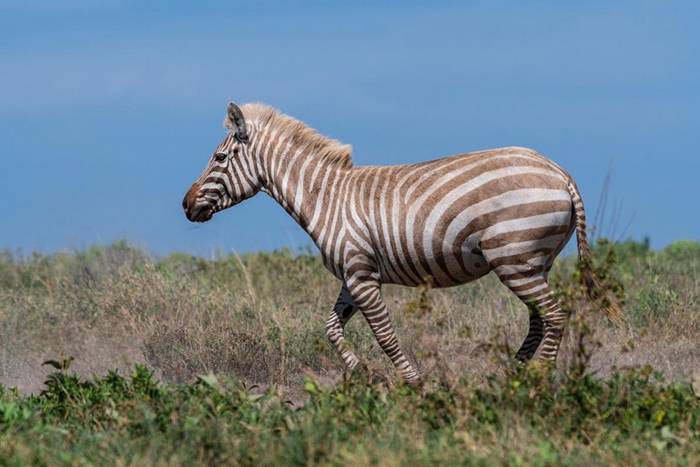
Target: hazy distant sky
(109,110)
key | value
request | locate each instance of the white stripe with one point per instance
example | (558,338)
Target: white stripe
(519,282)
(517,248)
(522,268)
(552,219)
(532,290)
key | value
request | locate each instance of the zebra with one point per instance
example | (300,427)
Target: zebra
(442,223)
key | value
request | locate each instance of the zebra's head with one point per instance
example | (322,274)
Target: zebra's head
(228,178)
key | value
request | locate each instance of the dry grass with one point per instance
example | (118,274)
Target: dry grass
(260,317)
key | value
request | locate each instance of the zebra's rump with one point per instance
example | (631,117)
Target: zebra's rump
(453,220)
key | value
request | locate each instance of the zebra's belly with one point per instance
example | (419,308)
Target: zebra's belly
(445,268)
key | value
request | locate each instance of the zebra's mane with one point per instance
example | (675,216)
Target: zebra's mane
(301,135)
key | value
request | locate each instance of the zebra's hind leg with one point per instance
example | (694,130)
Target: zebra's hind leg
(547,319)
(342,311)
(534,336)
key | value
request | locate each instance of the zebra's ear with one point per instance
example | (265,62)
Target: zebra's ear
(235,121)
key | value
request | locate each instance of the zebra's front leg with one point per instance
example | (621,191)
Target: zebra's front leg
(343,310)
(368,299)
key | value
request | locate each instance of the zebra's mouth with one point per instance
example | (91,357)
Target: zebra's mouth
(199,213)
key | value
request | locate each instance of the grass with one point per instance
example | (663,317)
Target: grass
(228,363)
(522,417)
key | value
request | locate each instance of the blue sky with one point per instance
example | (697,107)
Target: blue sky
(109,110)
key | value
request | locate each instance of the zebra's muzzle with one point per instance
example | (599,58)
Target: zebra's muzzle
(194,211)
(201,213)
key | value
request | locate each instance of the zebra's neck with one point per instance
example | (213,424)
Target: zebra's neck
(299,177)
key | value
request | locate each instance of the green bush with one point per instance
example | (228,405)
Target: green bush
(575,419)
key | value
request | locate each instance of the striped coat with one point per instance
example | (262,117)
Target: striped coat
(444,222)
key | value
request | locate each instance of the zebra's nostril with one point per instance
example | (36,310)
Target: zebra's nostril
(184,203)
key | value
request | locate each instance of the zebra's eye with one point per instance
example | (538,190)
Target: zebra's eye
(220,156)
(235,151)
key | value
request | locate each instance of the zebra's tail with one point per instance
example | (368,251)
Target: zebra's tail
(593,286)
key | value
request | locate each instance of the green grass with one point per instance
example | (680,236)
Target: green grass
(228,363)
(523,417)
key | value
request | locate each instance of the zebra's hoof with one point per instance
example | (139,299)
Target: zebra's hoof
(376,378)
(415,383)
(541,366)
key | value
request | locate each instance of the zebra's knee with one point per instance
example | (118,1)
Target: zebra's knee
(334,329)
(554,321)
